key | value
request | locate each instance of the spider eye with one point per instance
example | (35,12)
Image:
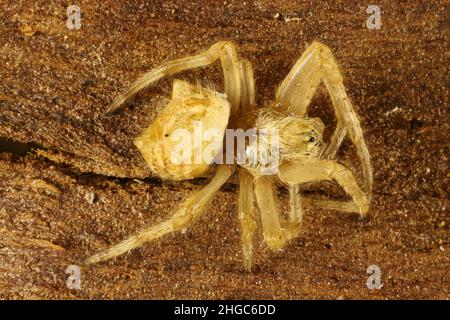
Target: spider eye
(312,139)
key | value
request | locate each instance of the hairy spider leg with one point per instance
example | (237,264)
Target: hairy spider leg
(314,169)
(186,214)
(276,231)
(223,50)
(247,86)
(246,214)
(246,210)
(297,89)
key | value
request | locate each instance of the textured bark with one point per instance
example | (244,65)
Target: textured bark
(83,185)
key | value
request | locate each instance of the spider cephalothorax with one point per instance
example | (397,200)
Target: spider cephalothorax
(285,147)
(291,137)
(298,136)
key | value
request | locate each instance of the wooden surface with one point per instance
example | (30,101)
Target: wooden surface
(85,186)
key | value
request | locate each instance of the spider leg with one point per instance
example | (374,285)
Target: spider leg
(314,169)
(245,204)
(223,50)
(188,212)
(246,215)
(296,91)
(275,234)
(247,86)
(344,206)
(296,213)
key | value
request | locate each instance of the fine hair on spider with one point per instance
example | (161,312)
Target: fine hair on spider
(302,155)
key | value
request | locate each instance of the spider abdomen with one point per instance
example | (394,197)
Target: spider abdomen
(186,136)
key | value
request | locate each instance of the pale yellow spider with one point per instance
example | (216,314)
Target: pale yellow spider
(302,156)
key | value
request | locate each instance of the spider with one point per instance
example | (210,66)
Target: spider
(303,156)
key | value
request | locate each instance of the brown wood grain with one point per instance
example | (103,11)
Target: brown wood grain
(55,83)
